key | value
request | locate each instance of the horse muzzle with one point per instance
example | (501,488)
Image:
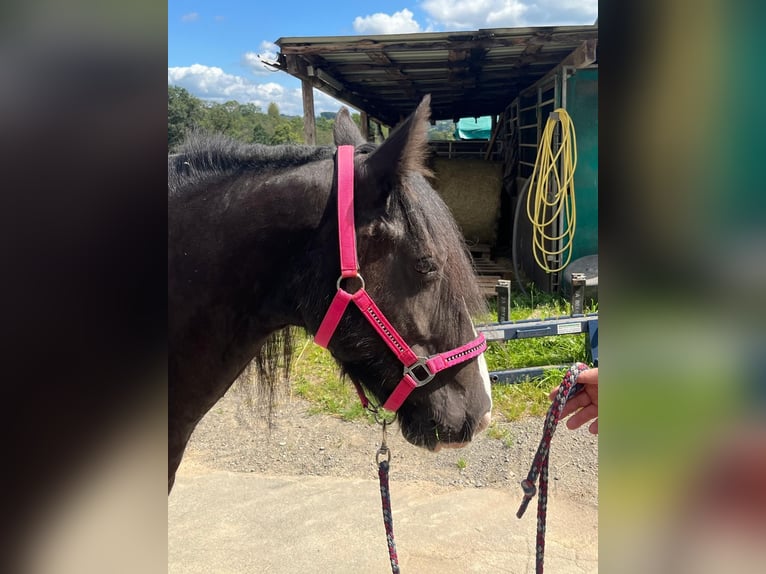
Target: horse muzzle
(480,427)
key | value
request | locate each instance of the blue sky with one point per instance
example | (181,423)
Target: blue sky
(213,47)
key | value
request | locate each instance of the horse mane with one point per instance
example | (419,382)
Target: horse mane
(207,156)
(266,377)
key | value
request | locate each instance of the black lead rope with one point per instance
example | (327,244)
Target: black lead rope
(568,388)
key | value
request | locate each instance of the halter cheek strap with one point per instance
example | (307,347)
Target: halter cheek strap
(418,371)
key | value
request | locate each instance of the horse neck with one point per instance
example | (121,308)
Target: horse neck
(236,249)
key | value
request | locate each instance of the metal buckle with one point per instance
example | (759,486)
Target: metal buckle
(421,362)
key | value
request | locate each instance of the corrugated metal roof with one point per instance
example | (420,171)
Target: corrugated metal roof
(468,74)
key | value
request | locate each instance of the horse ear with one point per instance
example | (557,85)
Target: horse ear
(404,150)
(345,131)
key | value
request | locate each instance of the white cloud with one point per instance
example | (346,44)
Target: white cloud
(212,83)
(512,11)
(462,15)
(190,17)
(562,12)
(401,22)
(252,60)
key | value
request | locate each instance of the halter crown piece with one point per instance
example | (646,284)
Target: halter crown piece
(418,371)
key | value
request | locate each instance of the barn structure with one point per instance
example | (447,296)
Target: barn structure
(514,76)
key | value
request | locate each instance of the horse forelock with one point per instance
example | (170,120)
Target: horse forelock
(431,224)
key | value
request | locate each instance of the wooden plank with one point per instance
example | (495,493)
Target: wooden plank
(531,38)
(487,285)
(490,267)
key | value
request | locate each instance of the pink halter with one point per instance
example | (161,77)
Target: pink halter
(418,371)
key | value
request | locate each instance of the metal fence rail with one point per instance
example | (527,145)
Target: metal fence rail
(526,329)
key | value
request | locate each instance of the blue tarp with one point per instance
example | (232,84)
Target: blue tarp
(474,128)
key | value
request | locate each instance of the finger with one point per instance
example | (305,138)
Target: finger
(554,392)
(593,428)
(574,404)
(589,377)
(582,416)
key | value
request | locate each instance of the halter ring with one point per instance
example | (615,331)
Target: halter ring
(357,276)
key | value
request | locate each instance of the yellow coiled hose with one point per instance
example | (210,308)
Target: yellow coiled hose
(544,210)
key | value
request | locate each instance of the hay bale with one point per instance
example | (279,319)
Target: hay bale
(471,189)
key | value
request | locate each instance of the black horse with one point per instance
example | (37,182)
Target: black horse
(253,250)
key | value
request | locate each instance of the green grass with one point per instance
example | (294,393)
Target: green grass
(500,433)
(316,378)
(529,398)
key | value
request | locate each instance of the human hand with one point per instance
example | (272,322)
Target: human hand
(584,404)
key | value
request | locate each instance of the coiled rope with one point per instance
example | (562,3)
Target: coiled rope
(551,194)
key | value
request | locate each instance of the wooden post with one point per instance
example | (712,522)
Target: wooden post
(309,122)
(364,121)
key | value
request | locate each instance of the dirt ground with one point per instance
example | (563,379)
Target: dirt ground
(305,498)
(233,438)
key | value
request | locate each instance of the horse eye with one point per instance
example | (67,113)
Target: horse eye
(425,265)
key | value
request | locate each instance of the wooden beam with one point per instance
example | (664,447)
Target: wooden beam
(393,71)
(583,55)
(309,122)
(295,65)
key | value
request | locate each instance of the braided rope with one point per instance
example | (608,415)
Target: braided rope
(388,519)
(568,388)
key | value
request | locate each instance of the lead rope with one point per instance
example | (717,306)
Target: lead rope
(385,497)
(568,388)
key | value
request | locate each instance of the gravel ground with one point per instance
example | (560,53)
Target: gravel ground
(232,437)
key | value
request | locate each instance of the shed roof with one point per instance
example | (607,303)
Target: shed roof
(468,74)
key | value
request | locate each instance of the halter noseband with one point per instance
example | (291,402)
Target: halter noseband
(418,371)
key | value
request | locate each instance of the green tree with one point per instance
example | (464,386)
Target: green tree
(185,112)
(324,127)
(219,117)
(273,111)
(260,135)
(284,134)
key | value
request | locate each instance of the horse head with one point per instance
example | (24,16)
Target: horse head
(416,268)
